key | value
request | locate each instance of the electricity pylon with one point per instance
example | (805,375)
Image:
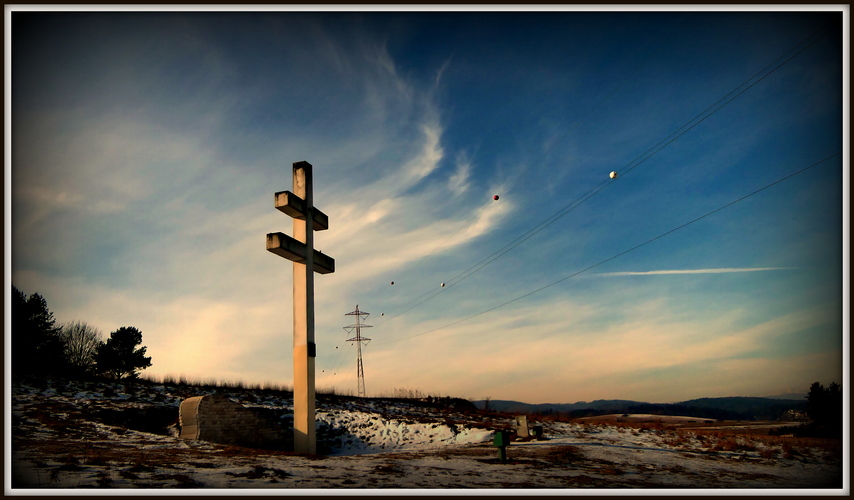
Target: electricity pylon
(358,339)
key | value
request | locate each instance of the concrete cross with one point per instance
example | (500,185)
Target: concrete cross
(307,261)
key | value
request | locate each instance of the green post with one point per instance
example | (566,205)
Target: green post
(501,440)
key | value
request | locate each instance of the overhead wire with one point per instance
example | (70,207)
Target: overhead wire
(436,290)
(337,363)
(624,252)
(514,183)
(669,139)
(548,150)
(713,109)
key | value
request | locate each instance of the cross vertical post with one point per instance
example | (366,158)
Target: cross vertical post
(304,423)
(306,261)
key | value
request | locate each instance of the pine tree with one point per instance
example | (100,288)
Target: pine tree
(37,343)
(119,357)
(824,407)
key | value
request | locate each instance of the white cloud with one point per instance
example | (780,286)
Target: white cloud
(212,303)
(553,351)
(425,163)
(101,164)
(441,72)
(392,233)
(694,271)
(205,293)
(459,182)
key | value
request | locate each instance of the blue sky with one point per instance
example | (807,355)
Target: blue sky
(146,148)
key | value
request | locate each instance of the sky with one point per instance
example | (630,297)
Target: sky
(146,148)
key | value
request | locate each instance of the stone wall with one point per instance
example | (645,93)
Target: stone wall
(217,419)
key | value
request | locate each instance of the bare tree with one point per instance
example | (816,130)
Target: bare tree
(81,345)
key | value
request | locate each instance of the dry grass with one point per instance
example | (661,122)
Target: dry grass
(728,439)
(211,383)
(787,446)
(261,472)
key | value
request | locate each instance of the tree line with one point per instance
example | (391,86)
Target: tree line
(40,347)
(824,407)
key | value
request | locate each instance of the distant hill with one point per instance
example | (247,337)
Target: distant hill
(519,407)
(732,408)
(789,397)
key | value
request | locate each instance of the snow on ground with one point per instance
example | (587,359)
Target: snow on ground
(70,436)
(374,434)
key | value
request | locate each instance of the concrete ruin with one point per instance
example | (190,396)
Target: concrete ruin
(522,426)
(217,419)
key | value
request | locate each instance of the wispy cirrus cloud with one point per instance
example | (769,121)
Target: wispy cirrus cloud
(719,270)
(459,182)
(143,176)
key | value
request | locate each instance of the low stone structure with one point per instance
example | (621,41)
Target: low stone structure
(217,419)
(522,426)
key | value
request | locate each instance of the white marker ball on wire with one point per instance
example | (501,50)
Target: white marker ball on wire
(613,175)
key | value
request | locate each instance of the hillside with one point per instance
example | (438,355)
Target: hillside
(111,435)
(605,405)
(731,408)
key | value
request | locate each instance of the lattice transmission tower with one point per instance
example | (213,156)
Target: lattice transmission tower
(359,339)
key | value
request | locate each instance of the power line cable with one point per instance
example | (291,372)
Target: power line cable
(673,136)
(515,181)
(658,147)
(714,108)
(336,363)
(624,252)
(339,361)
(523,172)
